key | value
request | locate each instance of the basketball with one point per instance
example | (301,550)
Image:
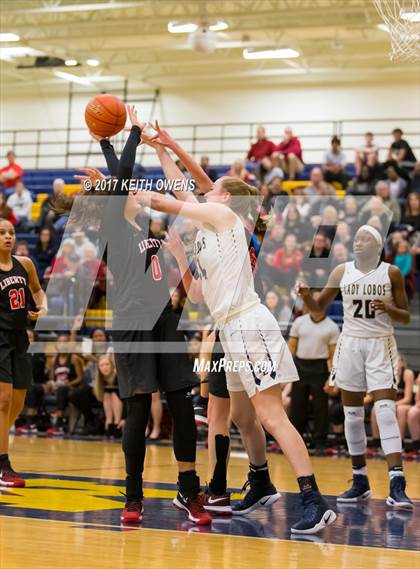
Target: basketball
(105,115)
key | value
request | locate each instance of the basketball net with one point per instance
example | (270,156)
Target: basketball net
(402,18)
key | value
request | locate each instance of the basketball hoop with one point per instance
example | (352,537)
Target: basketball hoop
(402,20)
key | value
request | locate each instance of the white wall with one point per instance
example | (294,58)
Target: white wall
(39,109)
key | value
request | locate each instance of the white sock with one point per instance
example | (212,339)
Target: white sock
(396,471)
(362,470)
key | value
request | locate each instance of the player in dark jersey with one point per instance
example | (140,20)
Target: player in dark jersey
(135,258)
(262,491)
(18,280)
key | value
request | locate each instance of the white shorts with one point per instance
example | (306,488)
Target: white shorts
(257,357)
(364,364)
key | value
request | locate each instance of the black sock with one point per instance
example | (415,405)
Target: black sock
(307,483)
(218,482)
(202,401)
(189,483)
(4,459)
(134,443)
(259,473)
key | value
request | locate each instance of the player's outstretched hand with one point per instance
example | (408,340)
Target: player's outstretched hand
(97,137)
(92,174)
(173,243)
(132,115)
(40,312)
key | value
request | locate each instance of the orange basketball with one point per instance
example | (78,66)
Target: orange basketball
(105,115)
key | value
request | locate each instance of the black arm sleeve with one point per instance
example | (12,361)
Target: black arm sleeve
(110,156)
(113,221)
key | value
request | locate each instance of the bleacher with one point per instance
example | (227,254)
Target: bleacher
(39,182)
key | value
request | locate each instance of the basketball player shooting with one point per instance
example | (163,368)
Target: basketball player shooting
(366,355)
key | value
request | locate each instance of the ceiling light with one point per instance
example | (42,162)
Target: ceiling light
(285,53)
(383,28)
(81,7)
(219,27)
(410,16)
(9,37)
(71,62)
(175,28)
(72,78)
(8,53)
(92,62)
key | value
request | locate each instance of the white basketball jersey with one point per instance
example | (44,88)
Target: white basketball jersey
(358,290)
(224,265)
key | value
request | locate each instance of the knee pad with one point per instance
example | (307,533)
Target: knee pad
(389,431)
(184,427)
(354,430)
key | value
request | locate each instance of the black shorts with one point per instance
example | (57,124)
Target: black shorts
(150,372)
(217,379)
(15,362)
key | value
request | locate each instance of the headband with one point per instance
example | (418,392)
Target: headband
(374,232)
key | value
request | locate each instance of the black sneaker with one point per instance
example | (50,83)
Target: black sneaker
(260,493)
(200,415)
(317,513)
(360,490)
(397,497)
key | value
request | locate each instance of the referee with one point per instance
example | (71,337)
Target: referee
(312,341)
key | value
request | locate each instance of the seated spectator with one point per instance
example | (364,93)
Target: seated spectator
(350,213)
(97,271)
(211,172)
(382,190)
(397,185)
(328,223)
(400,151)
(270,171)
(375,207)
(12,173)
(415,179)
(274,240)
(413,421)
(294,225)
(343,234)
(339,254)
(404,261)
(263,147)
(377,170)
(315,273)
(20,202)
(48,216)
(335,163)
(301,202)
(290,150)
(288,260)
(5,211)
(318,185)
(66,373)
(238,170)
(267,199)
(45,250)
(324,199)
(22,250)
(77,285)
(60,263)
(363,184)
(364,152)
(82,243)
(411,215)
(272,302)
(106,391)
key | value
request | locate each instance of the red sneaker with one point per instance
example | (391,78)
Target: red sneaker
(9,478)
(194,507)
(133,512)
(217,504)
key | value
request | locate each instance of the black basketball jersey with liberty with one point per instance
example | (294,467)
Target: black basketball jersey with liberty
(14,297)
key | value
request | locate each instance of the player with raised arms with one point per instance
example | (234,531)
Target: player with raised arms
(250,336)
(18,280)
(365,359)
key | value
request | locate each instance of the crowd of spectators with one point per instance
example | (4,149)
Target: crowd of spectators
(310,229)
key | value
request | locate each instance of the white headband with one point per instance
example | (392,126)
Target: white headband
(374,232)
